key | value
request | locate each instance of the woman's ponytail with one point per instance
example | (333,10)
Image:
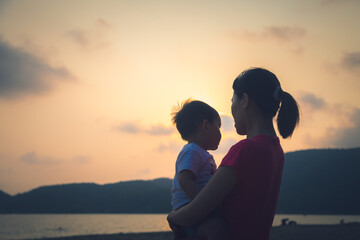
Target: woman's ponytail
(288,115)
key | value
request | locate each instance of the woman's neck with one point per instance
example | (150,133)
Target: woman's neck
(260,126)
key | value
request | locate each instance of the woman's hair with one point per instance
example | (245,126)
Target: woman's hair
(264,88)
(189,115)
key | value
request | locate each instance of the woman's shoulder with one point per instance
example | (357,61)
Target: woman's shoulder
(241,148)
(240,153)
(244,144)
(255,142)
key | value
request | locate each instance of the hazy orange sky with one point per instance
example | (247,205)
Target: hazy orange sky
(87,87)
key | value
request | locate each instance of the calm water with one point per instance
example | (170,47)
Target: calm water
(27,226)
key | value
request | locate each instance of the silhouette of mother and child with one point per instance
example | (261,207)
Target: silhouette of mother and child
(238,199)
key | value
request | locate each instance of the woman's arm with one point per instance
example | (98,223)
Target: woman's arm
(210,197)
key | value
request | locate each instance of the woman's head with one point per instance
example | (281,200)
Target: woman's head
(263,88)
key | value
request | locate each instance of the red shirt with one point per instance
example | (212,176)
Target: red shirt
(249,208)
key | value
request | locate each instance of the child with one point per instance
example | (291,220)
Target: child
(247,183)
(199,125)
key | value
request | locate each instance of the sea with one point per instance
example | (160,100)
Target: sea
(35,226)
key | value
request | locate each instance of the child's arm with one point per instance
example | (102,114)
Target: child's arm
(188,184)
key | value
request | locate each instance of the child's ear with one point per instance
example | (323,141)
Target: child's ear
(205,125)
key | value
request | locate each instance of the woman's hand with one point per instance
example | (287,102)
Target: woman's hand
(170,218)
(210,197)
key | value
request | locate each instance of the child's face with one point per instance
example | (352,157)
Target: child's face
(214,134)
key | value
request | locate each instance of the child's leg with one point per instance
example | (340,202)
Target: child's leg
(213,228)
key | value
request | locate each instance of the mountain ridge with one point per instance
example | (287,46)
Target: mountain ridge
(315,181)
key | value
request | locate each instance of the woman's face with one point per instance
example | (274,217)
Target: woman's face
(237,111)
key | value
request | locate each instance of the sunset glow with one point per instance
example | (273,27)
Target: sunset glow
(87,87)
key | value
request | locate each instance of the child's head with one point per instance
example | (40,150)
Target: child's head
(263,87)
(192,115)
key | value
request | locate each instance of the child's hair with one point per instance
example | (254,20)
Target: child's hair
(190,115)
(264,88)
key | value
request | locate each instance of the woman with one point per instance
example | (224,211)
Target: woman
(247,183)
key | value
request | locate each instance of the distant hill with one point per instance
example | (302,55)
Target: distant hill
(324,181)
(5,200)
(4,195)
(123,197)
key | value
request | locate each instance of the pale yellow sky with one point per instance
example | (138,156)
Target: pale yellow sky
(87,87)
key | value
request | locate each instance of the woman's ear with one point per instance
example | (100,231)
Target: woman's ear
(245,102)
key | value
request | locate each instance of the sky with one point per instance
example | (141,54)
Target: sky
(87,87)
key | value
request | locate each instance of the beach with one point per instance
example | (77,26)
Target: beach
(350,231)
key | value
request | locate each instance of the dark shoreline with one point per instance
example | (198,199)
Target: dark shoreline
(349,231)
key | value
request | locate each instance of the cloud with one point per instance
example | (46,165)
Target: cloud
(22,73)
(81,159)
(160,130)
(3,5)
(171,146)
(311,101)
(227,123)
(98,36)
(345,134)
(143,172)
(79,36)
(348,136)
(132,128)
(351,60)
(279,33)
(136,128)
(297,50)
(284,33)
(327,124)
(335,2)
(287,37)
(32,158)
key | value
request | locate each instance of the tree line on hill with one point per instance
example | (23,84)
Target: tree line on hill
(324,181)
